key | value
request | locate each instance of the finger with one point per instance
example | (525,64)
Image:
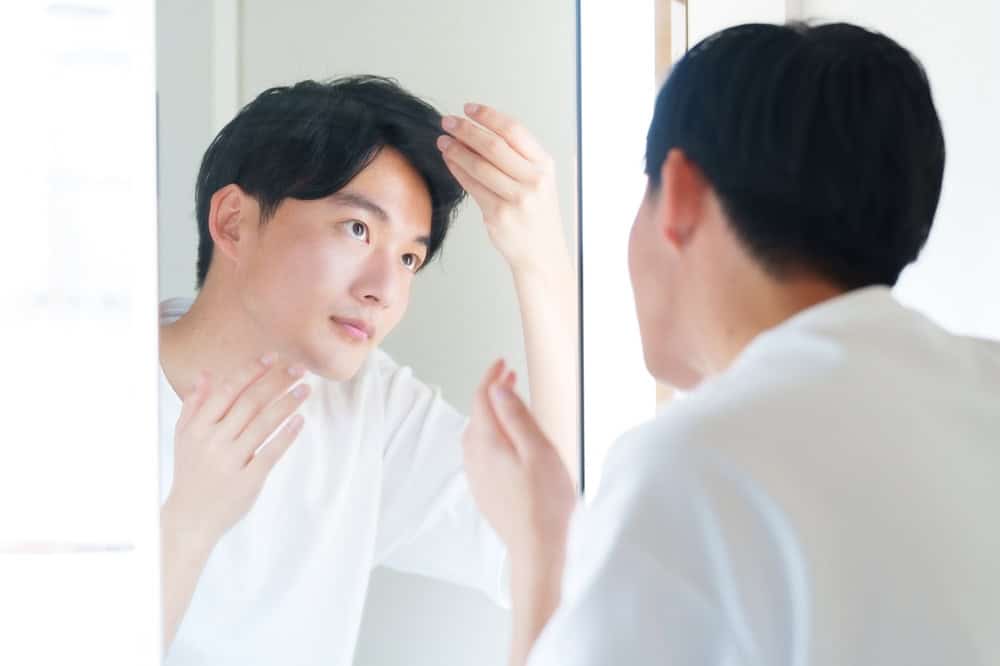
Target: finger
(517,421)
(256,398)
(222,396)
(479,168)
(509,130)
(493,373)
(267,421)
(487,199)
(265,459)
(193,400)
(509,381)
(490,147)
(483,429)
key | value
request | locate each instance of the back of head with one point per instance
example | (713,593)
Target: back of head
(309,140)
(822,143)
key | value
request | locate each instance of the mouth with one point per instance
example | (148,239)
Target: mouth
(357,330)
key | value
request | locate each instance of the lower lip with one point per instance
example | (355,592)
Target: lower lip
(353,332)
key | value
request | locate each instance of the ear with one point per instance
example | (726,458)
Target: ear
(228,211)
(682,201)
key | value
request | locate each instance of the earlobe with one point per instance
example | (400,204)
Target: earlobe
(224,218)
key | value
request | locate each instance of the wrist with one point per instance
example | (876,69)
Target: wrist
(554,268)
(538,563)
(182,535)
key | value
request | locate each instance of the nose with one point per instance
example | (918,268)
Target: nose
(377,282)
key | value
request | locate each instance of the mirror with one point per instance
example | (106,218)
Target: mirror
(372,480)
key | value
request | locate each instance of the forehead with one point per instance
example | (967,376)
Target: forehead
(396,187)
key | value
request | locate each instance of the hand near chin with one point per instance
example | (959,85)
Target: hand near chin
(512,179)
(219,465)
(517,477)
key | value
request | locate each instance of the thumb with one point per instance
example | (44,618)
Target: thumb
(516,420)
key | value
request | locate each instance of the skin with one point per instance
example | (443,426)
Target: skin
(315,289)
(684,260)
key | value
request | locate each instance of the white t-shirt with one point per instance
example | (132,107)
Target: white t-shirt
(832,499)
(374,478)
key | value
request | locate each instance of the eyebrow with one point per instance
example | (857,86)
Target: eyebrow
(364,203)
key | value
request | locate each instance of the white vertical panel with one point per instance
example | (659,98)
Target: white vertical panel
(79,513)
(618,88)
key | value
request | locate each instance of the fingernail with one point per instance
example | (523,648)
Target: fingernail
(297,370)
(268,359)
(449,122)
(443,142)
(471,108)
(300,391)
(500,393)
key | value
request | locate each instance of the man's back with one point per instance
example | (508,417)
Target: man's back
(828,500)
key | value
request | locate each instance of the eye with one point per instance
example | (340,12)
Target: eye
(411,261)
(358,230)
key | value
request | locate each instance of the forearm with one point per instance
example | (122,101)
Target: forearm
(536,585)
(548,302)
(184,555)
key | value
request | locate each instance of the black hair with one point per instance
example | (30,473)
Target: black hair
(821,142)
(307,141)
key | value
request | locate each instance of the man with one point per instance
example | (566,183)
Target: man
(825,494)
(317,206)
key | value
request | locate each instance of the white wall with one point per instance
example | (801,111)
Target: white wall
(185,128)
(708,16)
(518,56)
(957,278)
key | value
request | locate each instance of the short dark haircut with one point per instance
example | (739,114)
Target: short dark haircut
(821,142)
(307,141)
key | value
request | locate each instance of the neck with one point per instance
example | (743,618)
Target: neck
(752,311)
(216,336)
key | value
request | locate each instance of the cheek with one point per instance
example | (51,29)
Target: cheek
(639,264)
(296,275)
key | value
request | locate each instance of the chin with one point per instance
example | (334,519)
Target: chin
(337,365)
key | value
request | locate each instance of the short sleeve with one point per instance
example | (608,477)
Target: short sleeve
(428,522)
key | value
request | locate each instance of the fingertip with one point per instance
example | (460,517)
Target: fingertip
(472,108)
(494,371)
(510,380)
